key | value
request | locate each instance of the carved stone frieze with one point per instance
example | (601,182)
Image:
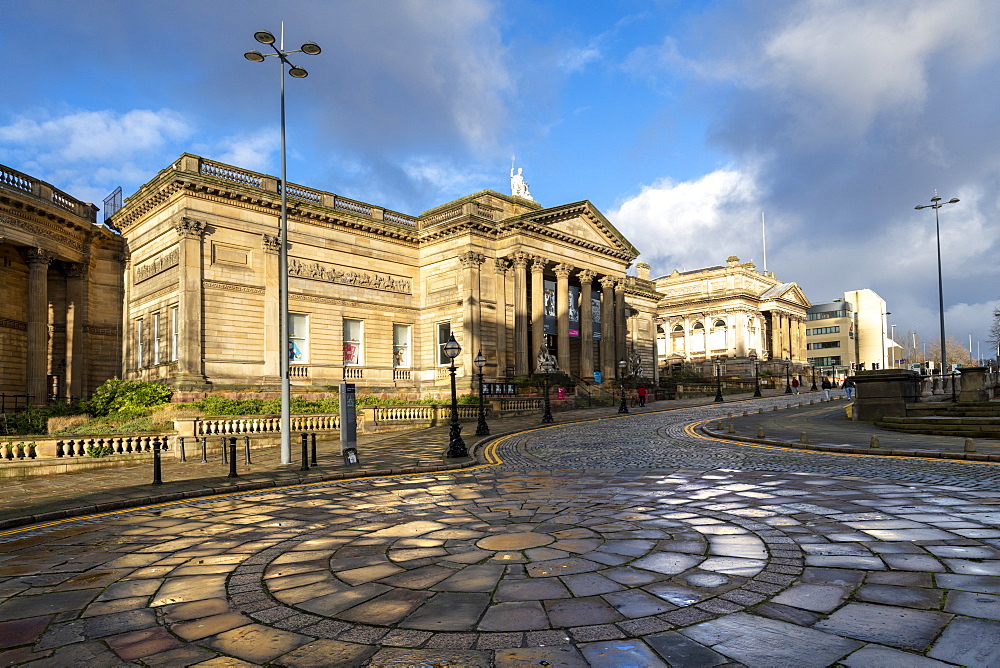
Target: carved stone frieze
(157,265)
(318,272)
(39,230)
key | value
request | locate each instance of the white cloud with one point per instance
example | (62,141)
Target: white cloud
(253,152)
(694,224)
(575,60)
(449,180)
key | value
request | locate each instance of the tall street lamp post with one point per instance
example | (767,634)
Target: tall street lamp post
(623,408)
(311,49)
(547,363)
(482,429)
(718,380)
(936,204)
(788,379)
(456,446)
(756,374)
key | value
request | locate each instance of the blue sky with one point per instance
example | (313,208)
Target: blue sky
(681,121)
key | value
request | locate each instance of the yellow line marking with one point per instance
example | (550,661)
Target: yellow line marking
(690,430)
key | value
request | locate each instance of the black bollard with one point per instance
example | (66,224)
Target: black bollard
(313,460)
(157,478)
(180,446)
(225,456)
(204,449)
(305,452)
(232,456)
(246,446)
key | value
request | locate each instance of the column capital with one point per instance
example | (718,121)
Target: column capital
(75,269)
(538,264)
(520,260)
(586,275)
(38,256)
(607,282)
(471,259)
(189,228)
(563,270)
(501,265)
(270,243)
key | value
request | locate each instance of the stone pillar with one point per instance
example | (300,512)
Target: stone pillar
(500,266)
(190,307)
(471,309)
(126,330)
(562,316)
(537,307)
(609,365)
(38,325)
(521,356)
(271,245)
(621,323)
(76,331)
(586,324)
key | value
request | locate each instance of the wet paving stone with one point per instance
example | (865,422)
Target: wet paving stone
(886,625)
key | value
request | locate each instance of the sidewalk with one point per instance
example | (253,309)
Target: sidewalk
(827,428)
(48,498)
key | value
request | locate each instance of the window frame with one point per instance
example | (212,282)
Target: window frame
(443,360)
(359,353)
(404,361)
(303,348)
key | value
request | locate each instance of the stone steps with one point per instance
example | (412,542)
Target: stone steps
(937,425)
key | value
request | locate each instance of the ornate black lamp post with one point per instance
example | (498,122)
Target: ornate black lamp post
(621,373)
(788,379)
(813,388)
(718,379)
(756,374)
(482,429)
(456,446)
(547,363)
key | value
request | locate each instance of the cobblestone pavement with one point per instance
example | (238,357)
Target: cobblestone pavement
(618,542)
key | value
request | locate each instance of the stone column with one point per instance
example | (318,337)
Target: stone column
(562,316)
(76,332)
(38,325)
(471,309)
(500,266)
(521,356)
(126,310)
(621,326)
(271,245)
(537,307)
(609,365)
(190,307)
(586,324)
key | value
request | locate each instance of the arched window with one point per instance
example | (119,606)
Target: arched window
(698,337)
(719,341)
(677,339)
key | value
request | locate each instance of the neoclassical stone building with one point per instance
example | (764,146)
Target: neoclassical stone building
(373,294)
(733,311)
(60,293)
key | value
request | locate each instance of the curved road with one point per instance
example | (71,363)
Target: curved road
(621,542)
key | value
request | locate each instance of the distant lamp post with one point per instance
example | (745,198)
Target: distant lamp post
(311,49)
(936,204)
(788,379)
(456,446)
(718,379)
(547,363)
(813,388)
(756,374)
(622,364)
(482,429)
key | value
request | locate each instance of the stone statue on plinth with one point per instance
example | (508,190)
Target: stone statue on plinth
(518,188)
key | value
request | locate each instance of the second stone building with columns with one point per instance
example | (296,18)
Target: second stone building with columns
(373,294)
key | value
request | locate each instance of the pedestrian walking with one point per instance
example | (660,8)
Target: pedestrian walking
(642,395)
(827,386)
(849,388)
(795,385)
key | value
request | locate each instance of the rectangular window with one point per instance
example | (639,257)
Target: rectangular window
(823,330)
(828,314)
(140,352)
(156,339)
(823,344)
(175,333)
(824,361)
(353,348)
(444,333)
(401,346)
(298,338)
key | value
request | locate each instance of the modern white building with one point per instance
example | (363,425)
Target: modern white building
(850,333)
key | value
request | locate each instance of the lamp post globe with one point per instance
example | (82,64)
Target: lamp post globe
(482,429)
(309,48)
(456,446)
(622,364)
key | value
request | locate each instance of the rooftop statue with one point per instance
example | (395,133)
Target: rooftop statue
(518,188)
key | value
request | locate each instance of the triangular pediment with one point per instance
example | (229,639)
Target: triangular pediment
(584,223)
(787,292)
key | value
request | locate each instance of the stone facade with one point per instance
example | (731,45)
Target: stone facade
(733,311)
(60,291)
(373,293)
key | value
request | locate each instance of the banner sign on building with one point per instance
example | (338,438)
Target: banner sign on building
(549,288)
(595,309)
(574,311)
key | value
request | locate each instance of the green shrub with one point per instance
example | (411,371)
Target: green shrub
(116,395)
(35,420)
